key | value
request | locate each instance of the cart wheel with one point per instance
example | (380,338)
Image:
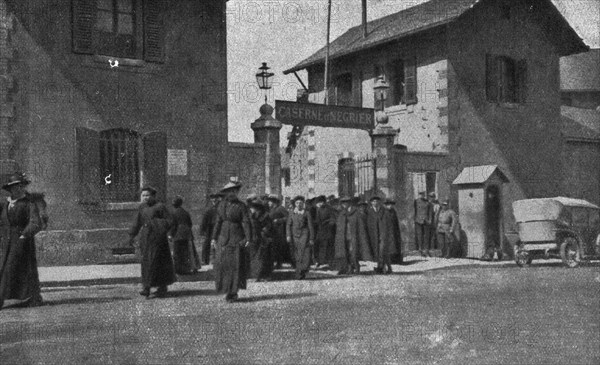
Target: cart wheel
(522,258)
(569,252)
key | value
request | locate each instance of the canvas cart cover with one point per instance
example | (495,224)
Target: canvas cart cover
(528,210)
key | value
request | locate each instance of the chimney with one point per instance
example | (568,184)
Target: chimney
(364,18)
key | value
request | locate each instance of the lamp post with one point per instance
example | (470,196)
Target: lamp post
(380,89)
(266,130)
(264,78)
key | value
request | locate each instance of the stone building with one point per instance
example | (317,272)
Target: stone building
(101,97)
(472,83)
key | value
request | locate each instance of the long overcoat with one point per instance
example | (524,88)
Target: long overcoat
(19,277)
(325,234)
(381,233)
(153,222)
(355,234)
(261,262)
(279,248)
(396,238)
(301,230)
(232,231)
(185,256)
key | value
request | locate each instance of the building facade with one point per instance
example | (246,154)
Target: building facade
(102,97)
(472,83)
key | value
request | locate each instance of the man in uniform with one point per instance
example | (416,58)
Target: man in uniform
(423,220)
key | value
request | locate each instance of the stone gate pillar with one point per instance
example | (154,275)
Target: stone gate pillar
(7,87)
(383,142)
(266,130)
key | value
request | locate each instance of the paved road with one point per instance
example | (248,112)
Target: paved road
(546,314)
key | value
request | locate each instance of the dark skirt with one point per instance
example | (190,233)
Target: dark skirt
(19,278)
(231,269)
(185,257)
(157,263)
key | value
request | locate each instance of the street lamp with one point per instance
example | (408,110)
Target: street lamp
(380,89)
(263,78)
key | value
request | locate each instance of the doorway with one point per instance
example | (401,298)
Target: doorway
(493,216)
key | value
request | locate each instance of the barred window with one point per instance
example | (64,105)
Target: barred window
(346,177)
(119,164)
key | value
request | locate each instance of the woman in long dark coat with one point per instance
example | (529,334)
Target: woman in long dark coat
(152,222)
(279,247)
(20,221)
(300,236)
(351,240)
(260,249)
(231,236)
(395,232)
(325,232)
(185,256)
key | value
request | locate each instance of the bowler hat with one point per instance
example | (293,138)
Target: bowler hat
(374,197)
(389,202)
(320,199)
(258,204)
(16,179)
(298,197)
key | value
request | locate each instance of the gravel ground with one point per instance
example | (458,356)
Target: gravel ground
(545,314)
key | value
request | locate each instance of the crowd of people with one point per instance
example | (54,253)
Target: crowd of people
(242,239)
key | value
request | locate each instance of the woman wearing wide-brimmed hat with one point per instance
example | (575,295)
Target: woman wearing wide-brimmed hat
(300,236)
(230,236)
(20,221)
(153,222)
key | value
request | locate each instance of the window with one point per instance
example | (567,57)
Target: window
(506,79)
(341,90)
(119,164)
(119,28)
(424,181)
(115,26)
(112,165)
(401,76)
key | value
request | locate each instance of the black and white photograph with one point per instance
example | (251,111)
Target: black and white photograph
(300,182)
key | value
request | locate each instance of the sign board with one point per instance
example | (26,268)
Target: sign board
(320,115)
(177,162)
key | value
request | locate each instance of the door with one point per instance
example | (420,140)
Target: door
(493,214)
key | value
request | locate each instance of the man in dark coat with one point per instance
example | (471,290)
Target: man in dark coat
(231,236)
(379,235)
(435,211)
(423,220)
(206,227)
(185,256)
(261,263)
(395,231)
(19,221)
(301,236)
(153,222)
(350,238)
(279,246)
(325,232)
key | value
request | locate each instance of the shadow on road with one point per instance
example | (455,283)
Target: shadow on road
(84,301)
(190,293)
(261,298)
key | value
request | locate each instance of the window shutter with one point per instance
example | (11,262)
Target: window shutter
(522,81)
(153,30)
(84,19)
(491,78)
(154,168)
(88,165)
(410,81)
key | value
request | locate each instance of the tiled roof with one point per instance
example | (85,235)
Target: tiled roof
(478,174)
(580,71)
(414,20)
(580,123)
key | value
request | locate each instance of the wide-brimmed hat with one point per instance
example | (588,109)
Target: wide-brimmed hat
(389,202)
(320,199)
(231,185)
(16,179)
(298,197)
(274,198)
(345,199)
(149,189)
(374,197)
